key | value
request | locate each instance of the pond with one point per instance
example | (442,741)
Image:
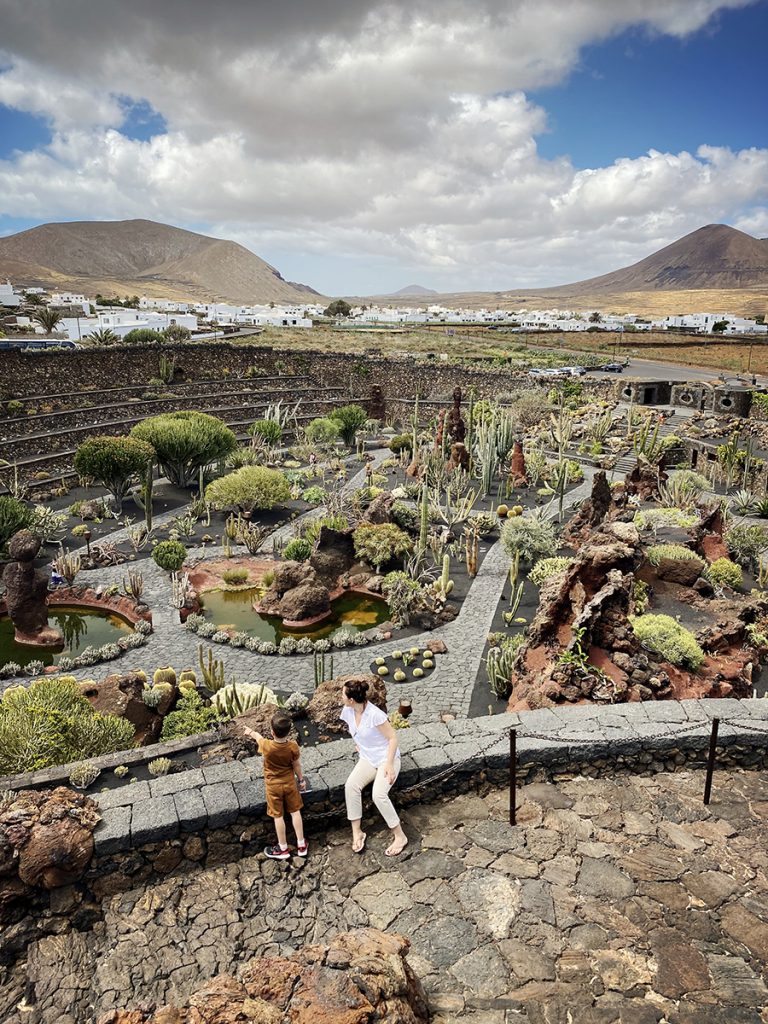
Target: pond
(82,627)
(233,610)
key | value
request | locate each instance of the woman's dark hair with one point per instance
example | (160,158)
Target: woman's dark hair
(281,725)
(357,690)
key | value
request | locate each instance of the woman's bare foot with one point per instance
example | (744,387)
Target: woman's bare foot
(358,843)
(397,846)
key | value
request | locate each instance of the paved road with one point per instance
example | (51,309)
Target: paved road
(648,370)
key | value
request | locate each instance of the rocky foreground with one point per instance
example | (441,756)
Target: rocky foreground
(620,901)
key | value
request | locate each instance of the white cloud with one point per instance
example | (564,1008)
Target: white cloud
(355,137)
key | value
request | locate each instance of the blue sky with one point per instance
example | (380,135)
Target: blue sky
(641,91)
(361,145)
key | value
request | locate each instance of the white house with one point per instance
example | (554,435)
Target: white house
(8,296)
(122,321)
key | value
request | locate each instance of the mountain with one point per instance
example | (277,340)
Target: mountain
(142,257)
(411,291)
(714,257)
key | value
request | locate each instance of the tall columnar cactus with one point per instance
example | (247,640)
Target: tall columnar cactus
(472,550)
(320,665)
(415,439)
(424,521)
(212,672)
(149,482)
(470,426)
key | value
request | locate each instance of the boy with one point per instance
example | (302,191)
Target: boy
(282,768)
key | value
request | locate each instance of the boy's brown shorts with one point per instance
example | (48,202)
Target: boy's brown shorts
(283,797)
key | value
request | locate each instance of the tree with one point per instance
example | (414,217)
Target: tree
(338,308)
(248,488)
(48,319)
(719,327)
(144,336)
(33,299)
(349,418)
(379,543)
(596,318)
(175,333)
(322,431)
(185,442)
(102,336)
(115,462)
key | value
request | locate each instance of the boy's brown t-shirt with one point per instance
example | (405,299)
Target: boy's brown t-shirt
(278,760)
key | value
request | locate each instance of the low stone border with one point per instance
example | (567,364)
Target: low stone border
(553,743)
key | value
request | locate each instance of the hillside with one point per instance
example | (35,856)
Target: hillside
(412,291)
(145,258)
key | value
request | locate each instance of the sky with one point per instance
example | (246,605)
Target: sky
(360,146)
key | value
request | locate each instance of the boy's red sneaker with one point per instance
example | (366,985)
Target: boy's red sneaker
(277,852)
(302,849)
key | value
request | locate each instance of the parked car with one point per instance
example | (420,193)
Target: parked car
(612,368)
(538,372)
(572,371)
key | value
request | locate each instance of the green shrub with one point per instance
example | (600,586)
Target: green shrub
(380,543)
(322,431)
(15,407)
(144,336)
(746,544)
(405,517)
(725,573)
(235,577)
(249,488)
(313,528)
(655,518)
(349,418)
(402,593)
(269,431)
(114,461)
(50,723)
(674,552)
(313,495)
(185,442)
(401,442)
(169,555)
(547,567)
(190,717)
(297,550)
(14,516)
(533,536)
(665,636)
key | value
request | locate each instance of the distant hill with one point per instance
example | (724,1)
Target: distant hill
(145,258)
(411,291)
(715,257)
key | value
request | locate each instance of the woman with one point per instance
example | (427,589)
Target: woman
(379,763)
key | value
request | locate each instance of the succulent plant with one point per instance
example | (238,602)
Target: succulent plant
(83,775)
(160,766)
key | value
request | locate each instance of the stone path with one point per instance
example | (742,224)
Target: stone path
(620,901)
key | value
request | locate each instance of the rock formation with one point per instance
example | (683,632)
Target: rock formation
(643,481)
(361,976)
(517,472)
(121,695)
(334,555)
(26,593)
(326,702)
(296,594)
(459,456)
(454,421)
(591,514)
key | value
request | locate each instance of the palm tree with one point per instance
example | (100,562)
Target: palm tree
(102,336)
(48,319)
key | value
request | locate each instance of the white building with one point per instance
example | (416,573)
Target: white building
(122,321)
(70,299)
(8,296)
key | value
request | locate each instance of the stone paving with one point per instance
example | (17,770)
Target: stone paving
(621,901)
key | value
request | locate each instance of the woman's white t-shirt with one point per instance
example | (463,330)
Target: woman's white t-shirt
(373,746)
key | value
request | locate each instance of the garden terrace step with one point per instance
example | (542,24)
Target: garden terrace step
(275,386)
(57,421)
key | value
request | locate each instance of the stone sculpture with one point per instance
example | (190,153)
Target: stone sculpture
(457,429)
(26,594)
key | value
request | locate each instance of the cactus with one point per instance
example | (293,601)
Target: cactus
(83,775)
(164,675)
(133,584)
(121,771)
(320,663)
(470,426)
(423,522)
(188,675)
(67,564)
(149,481)
(160,766)
(472,550)
(213,672)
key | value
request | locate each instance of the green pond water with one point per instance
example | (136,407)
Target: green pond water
(82,627)
(232,610)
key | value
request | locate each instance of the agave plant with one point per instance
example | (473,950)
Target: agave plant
(743,502)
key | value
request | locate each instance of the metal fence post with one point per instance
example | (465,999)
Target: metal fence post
(711,760)
(512,776)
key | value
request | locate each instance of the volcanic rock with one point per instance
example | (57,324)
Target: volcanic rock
(334,555)
(26,593)
(378,511)
(306,601)
(121,695)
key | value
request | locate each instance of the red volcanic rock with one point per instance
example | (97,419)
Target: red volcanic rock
(360,977)
(26,593)
(714,547)
(517,472)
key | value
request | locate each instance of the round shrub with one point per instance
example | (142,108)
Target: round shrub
(401,443)
(314,495)
(297,550)
(186,441)
(746,544)
(249,488)
(673,552)
(725,573)
(169,555)
(533,537)
(114,461)
(14,516)
(665,636)
(655,518)
(235,577)
(269,431)
(322,430)
(406,517)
